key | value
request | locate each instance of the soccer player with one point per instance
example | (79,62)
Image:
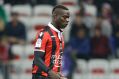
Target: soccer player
(49,46)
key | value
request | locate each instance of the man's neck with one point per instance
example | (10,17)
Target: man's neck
(55,25)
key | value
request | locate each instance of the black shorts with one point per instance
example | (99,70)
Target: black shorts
(37,76)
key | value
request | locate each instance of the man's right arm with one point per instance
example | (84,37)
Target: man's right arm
(38,55)
(40,63)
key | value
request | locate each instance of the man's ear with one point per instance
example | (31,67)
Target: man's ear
(54,16)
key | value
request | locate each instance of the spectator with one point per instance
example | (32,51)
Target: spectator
(106,19)
(81,44)
(114,42)
(90,8)
(15,30)
(98,23)
(90,13)
(99,45)
(78,22)
(79,47)
(99,3)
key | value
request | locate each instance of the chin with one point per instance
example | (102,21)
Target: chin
(62,30)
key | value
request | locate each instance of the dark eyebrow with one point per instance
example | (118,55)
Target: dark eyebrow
(66,15)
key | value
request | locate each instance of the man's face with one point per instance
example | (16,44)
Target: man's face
(14,17)
(81,33)
(97,33)
(62,18)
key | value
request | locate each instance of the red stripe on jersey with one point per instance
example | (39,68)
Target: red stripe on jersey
(35,68)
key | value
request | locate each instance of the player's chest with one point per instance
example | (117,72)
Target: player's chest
(59,42)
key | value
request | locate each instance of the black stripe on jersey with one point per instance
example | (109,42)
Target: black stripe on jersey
(54,46)
(37,48)
(61,54)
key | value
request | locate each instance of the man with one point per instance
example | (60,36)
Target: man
(100,47)
(15,30)
(49,46)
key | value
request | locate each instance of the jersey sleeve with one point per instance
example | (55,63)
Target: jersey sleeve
(41,41)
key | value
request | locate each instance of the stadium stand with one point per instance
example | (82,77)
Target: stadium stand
(37,16)
(23,10)
(42,10)
(114,66)
(67,2)
(98,67)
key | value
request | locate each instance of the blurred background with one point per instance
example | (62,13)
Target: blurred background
(91,38)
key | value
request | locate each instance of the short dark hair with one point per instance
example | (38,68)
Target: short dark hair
(98,28)
(59,6)
(14,14)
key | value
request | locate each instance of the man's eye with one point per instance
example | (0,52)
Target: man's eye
(65,17)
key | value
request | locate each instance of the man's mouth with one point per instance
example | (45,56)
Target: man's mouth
(66,23)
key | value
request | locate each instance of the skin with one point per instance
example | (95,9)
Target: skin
(60,18)
(14,20)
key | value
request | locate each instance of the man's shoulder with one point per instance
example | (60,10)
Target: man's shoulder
(43,30)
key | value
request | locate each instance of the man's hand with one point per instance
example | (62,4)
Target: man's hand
(53,75)
(61,76)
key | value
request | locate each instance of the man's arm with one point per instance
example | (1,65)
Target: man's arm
(40,63)
(38,55)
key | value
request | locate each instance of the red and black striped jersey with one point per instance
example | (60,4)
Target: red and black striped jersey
(51,42)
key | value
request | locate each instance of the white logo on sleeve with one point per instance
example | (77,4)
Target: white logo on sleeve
(39,40)
(41,34)
(38,43)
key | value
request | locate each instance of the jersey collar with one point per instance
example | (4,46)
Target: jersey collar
(55,29)
(52,27)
